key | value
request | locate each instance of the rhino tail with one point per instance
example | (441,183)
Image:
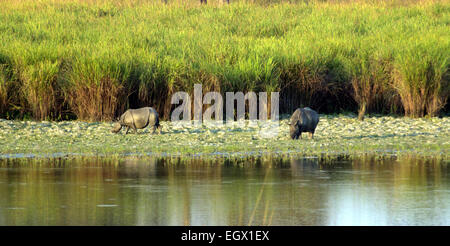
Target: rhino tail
(157,125)
(157,122)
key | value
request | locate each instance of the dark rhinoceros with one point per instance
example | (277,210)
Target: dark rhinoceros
(138,119)
(303,120)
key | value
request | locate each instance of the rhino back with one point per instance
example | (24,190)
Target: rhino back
(295,117)
(310,118)
(140,117)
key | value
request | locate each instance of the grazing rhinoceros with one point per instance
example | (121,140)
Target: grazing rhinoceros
(303,120)
(138,119)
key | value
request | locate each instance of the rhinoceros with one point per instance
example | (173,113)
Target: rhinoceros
(303,120)
(138,119)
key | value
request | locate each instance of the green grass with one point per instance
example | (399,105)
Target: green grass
(93,59)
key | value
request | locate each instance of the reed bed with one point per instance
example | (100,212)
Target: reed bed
(91,60)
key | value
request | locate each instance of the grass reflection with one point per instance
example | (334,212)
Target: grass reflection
(252,191)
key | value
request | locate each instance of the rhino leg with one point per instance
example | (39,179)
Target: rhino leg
(153,129)
(128,128)
(134,128)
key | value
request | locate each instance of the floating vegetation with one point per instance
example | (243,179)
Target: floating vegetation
(336,135)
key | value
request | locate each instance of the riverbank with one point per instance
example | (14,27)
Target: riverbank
(335,135)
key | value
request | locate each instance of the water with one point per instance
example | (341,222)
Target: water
(224,192)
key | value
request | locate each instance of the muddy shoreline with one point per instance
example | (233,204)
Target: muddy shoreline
(335,135)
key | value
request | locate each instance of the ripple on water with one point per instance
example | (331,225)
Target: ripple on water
(107,205)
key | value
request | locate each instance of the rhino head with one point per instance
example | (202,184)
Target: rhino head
(294,129)
(116,127)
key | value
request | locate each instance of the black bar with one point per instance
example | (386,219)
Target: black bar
(267,235)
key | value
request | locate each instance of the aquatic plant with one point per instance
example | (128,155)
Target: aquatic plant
(336,135)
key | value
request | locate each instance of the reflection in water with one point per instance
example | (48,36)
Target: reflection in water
(224,192)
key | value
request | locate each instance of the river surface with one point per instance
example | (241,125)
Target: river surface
(224,192)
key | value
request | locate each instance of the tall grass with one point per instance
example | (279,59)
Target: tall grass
(40,88)
(94,59)
(369,79)
(8,88)
(97,88)
(5,85)
(422,80)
